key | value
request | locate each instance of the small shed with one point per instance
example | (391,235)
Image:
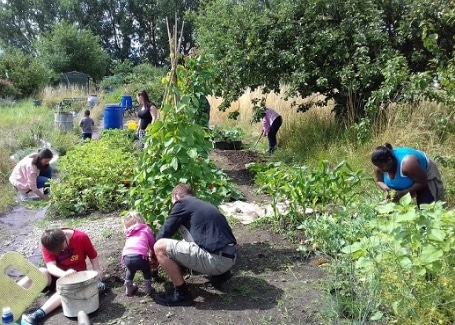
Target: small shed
(75,79)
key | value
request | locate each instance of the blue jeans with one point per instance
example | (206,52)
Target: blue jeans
(43,178)
(136,263)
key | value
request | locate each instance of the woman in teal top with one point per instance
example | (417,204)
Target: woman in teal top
(407,170)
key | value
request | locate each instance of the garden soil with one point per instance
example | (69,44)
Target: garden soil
(272,282)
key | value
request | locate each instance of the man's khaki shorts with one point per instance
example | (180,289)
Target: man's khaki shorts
(195,258)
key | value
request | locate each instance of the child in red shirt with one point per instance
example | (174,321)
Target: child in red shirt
(64,251)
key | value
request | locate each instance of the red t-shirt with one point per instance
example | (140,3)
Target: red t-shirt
(73,256)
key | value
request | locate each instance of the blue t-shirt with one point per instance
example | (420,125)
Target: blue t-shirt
(401,182)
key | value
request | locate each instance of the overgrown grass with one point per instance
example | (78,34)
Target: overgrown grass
(316,136)
(24,128)
(307,138)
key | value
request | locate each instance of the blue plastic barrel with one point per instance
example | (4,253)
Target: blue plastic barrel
(113,117)
(126,102)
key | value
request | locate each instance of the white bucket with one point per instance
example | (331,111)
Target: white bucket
(79,292)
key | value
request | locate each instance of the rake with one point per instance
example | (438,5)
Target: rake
(260,136)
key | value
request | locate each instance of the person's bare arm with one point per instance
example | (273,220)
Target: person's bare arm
(153,113)
(379,175)
(412,169)
(42,196)
(96,267)
(56,271)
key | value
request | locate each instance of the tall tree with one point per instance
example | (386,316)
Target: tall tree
(25,75)
(347,50)
(128,29)
(67,48)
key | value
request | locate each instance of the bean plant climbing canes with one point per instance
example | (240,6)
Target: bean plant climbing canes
(176,149)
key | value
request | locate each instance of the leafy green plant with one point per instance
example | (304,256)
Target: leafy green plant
(229,135)
(411,251)
(304,187)
(70,105)
(258,112)
(94,176)
(177,149)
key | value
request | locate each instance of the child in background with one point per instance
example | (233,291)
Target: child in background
(86,124)
(138,253)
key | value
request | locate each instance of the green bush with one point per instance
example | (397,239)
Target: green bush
(94,175)
(24,75)
(409,253)
(228,135)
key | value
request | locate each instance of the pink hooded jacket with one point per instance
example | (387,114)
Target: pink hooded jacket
(139,241)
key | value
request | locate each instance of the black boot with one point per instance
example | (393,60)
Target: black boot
(181,296)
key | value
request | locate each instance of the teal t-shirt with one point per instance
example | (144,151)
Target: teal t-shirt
(401,182)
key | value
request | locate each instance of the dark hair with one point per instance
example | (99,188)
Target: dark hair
(144,95)
(42,154)
(87,112)
(182,190)
(53,239)
(381,154)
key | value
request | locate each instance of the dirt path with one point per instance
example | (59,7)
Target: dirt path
(272,282)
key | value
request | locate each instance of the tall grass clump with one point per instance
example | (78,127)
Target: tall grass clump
(22,126)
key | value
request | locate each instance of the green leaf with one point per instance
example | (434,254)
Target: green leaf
(405,262)
(395,307)
(430,254)
(192,153)
(175,163)
(437,235)
(406,200)
(410,215)
(386,208)
(377,315)
(351,249)
(169,142)
(363,263)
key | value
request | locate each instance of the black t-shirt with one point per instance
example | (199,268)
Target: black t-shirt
(206,224)
(145,116)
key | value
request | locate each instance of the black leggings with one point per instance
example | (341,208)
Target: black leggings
(136,263)
(272,133)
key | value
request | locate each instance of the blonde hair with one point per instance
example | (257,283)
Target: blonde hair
(132,218)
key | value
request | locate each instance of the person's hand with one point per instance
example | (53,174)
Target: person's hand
(153,262)
(101,286)
(400,194)
(395,196)
(69,272)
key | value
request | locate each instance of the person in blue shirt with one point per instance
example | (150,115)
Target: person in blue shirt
(406,170)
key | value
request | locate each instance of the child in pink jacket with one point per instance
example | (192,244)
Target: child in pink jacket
(138,253)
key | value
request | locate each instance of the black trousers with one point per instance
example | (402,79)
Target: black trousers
(272,133)
(136,263)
